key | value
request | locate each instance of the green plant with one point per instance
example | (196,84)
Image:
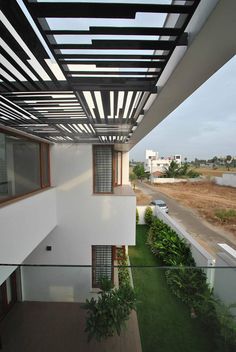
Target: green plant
(166,244)
(139,171)
(189,285)
(108,314)
(133,178)
(227,323)
(148,216)
(225,214)
(123,271)
(137,216)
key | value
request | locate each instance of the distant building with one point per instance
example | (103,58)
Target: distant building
(154,163)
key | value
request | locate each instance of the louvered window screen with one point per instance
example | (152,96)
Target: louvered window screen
(103,169)
(102,262)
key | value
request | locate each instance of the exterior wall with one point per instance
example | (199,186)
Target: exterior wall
(56,284)
(24,224)
(226,180)
(5,272)
(168,180)
(225,278)
(84,219)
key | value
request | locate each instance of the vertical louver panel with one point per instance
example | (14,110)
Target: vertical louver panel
(102,262)
(103,169)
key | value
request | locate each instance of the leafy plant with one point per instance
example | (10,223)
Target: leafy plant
(166,244)
(123,272)
(174,170)
(133,178)
(139,171)
(227,323)
(137,216)
(108,314)
(189,285)
(148,216)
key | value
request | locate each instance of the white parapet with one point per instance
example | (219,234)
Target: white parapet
(24,224)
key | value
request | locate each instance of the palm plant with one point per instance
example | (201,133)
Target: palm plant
(172,170)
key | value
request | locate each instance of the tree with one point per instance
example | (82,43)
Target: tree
(228,161)
(172,170)
(133,178)
(148,216)
(139,171)
(175,170)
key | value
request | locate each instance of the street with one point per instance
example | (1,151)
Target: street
(206,234)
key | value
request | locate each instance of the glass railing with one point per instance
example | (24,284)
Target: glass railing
(177,308)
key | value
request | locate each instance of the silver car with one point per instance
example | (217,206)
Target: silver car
(161,204)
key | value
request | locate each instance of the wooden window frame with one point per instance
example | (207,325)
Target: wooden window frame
(116,166)
(117,256)
(40,143)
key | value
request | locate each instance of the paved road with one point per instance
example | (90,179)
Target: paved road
(206,234)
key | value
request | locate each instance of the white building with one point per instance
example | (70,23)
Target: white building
(68,123)
(154,163)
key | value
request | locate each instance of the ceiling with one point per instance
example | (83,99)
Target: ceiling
(85,71)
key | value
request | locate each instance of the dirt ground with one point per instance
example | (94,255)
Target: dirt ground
(141,198)
(214,172)
(207,199)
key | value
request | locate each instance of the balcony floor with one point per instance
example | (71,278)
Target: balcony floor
(59,327)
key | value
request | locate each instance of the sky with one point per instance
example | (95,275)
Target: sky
(203,126)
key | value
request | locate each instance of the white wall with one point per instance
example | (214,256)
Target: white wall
(225,278)
(168,180)
(141,211)
(84,219)
(24,224)
(226,180)
(56,284)
(5,272)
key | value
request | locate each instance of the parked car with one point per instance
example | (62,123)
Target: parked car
(161,204)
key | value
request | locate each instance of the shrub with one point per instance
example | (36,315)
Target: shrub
(108,314)
(123,272)
(189,285)
(166,244)
(227,324)
(225,214)
(137,216)
(148,216)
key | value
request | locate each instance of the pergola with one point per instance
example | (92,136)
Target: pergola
(77,71)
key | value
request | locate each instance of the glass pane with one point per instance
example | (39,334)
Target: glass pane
(19,166)
(45,164)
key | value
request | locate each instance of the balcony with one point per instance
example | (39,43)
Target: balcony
(25,223)
(115,216)
(163,319)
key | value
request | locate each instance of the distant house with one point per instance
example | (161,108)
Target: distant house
(154,163)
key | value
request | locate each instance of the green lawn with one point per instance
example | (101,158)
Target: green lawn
(164,322)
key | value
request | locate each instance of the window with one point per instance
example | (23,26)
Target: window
(103,173)
(24,165)
(102,262)
(107,168)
